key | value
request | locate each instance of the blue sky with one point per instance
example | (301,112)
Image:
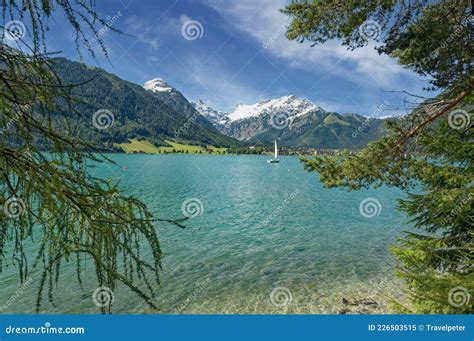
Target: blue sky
(240,56)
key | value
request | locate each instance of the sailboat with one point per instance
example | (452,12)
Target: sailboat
(275,159)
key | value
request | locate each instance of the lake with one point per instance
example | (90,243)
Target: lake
(266,238)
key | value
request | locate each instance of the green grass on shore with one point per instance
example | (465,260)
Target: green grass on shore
(144,146)
(137,146)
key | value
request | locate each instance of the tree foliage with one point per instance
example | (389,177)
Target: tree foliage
(51,198)
(428,153)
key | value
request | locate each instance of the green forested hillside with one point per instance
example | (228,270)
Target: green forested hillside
(136,112)
(327,130)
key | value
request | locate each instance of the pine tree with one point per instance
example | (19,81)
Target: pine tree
(50,198)
(428,153)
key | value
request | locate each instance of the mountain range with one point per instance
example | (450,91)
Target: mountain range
(134,111)
(295,122)
(158,112)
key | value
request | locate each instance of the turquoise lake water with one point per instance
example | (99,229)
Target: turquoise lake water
(261,227)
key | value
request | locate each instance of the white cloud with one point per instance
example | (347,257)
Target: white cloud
(216,84)
(264,22)
(150,33)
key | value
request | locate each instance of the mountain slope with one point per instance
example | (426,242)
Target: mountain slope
(169,95)
(295,122)
(218,118)
(176,101)
(135,111)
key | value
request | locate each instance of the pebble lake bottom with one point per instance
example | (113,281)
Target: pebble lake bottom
(263,238)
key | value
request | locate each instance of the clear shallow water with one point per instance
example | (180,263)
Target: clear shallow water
(262,226)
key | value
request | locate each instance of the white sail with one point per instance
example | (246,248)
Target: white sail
(276,150)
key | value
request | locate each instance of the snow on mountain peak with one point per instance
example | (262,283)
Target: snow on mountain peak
(157,85)
(213,115)
(202,107)
(291,104)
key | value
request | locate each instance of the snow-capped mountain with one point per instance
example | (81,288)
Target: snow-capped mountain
(171,96)
(249,120)
(216,117)
(291,105)
(157,85)
(294,121)
(176,101)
